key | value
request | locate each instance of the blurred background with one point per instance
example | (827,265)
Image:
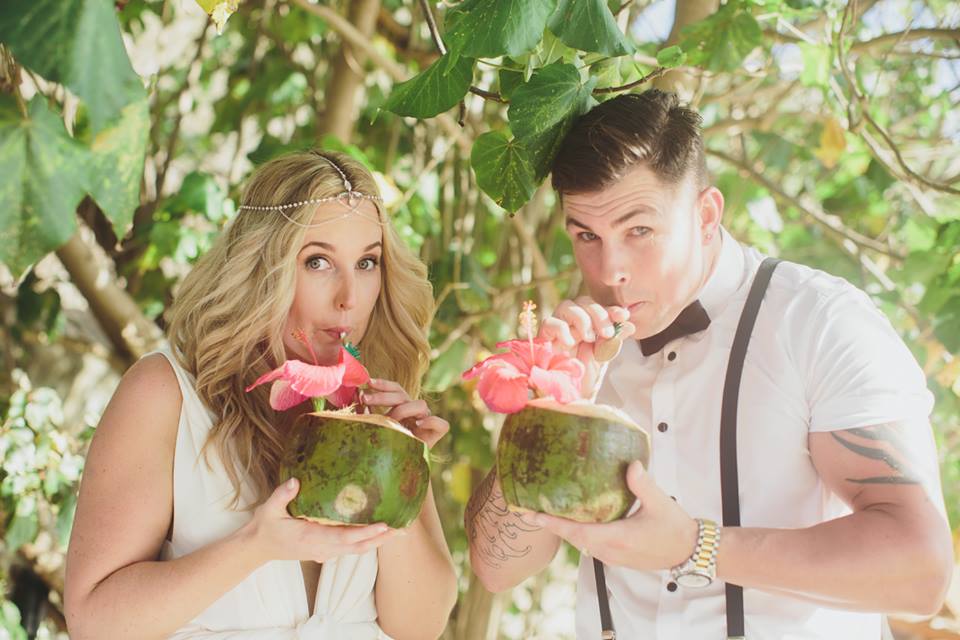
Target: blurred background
(127,129)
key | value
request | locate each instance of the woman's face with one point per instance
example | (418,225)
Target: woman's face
(338,280)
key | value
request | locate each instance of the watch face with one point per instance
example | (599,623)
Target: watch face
(695,580)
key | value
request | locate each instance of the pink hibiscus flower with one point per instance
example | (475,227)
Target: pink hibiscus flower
(295,381)
(506,379)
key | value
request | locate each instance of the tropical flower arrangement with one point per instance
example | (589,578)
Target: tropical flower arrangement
(558,452)
(296,381)
(530,369)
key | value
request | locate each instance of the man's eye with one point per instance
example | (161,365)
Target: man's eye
(640,231)
(586,236)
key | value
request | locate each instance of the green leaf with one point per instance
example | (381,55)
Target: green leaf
(671,57)
(117,165)
(816,64)
(76,43)
(721,41)
(543,110)
(446,369)
(503,170)
(509,81)
(434,91)
(22,528)
(45,177)
(588,25)
(493,28)
(554,94)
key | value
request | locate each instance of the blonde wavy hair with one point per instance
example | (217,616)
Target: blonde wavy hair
(227,321)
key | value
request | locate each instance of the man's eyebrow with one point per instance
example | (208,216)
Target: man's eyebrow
(624,218)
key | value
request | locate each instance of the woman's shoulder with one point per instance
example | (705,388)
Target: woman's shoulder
(147,400)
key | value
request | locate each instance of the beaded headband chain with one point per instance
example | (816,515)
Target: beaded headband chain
(348,198)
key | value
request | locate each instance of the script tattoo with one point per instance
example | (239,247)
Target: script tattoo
(887,444)
(492,529)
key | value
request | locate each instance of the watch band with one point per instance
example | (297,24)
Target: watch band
(702,565)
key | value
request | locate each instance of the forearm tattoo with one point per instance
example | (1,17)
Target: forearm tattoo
(885,443)
(492,529)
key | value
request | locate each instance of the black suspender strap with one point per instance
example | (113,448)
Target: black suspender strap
(607,631)
(729,482)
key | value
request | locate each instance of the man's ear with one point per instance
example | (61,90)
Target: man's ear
(711,211)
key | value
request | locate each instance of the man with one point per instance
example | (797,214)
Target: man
(839,495)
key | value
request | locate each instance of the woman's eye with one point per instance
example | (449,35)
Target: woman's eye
(317,263)
(586,236)
(368,264)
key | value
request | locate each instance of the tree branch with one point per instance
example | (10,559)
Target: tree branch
(656,73)
(395,70)
(906,36)
(829,221)
(904,173)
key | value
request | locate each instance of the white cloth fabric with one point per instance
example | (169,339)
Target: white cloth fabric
(271,603)
(822,357)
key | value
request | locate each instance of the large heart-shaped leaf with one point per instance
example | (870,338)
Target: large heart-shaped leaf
(503,169)
(553,94)
(44,178)
(589,25)
(493,28)
(76,43)
(434,91)
(117,165)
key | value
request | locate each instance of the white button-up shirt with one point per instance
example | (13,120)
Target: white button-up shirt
(822,357)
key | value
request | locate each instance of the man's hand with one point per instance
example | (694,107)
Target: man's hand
(659,535)
(586,329)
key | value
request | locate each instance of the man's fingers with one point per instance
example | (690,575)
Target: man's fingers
(556,330)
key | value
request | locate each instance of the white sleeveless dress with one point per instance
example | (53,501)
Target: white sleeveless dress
(271,603)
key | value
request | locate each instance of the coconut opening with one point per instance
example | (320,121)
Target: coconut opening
(586,409)
(367,418)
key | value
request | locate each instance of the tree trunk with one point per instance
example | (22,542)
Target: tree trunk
(346,79)
(682,81)
(131,333)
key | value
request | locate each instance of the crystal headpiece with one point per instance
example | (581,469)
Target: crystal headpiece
(349,198)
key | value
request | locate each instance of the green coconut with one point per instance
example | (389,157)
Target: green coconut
(569,460)
(356,470)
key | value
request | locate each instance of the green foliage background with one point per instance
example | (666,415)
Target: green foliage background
(127,129)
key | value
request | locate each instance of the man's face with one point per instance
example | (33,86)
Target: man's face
(645,245)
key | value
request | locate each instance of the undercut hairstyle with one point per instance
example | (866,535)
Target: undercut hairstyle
(650,128)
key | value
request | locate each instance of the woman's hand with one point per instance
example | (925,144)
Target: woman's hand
(413,414)
(275,535)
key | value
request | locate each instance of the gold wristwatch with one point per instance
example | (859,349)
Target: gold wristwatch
(700,569)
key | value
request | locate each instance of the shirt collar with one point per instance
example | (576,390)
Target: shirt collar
(726,278)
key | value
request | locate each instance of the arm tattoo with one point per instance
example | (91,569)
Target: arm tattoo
(492,529)
(886,444)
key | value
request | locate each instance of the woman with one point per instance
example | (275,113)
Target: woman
(180,530)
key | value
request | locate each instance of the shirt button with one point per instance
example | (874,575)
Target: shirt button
(672,356)
(662,427)
(671,586)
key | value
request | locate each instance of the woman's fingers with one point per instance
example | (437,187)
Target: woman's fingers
(413,409)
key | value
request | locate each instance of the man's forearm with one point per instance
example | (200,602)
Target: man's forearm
(504,548)
(874,560)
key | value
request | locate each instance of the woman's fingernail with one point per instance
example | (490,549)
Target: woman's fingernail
(607,332)
(291,483)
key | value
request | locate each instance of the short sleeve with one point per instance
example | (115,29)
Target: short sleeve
(857,370)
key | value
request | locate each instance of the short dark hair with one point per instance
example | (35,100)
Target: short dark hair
(650,128)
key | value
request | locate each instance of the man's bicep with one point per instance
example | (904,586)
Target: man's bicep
(894,462)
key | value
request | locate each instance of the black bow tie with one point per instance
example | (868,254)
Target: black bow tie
(691,320)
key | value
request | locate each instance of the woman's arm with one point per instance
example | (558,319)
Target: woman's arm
(416,584)
(115,585)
